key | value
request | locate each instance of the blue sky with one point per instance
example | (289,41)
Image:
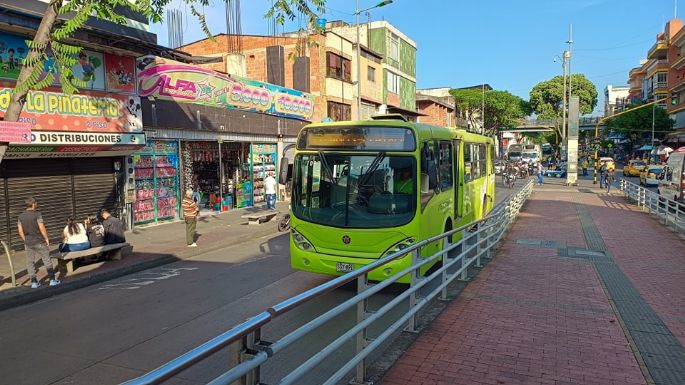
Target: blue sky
(509,44)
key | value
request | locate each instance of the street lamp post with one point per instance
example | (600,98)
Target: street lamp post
(357,12)
(652,153)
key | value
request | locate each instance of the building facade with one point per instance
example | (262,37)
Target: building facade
(615,99)
(74,161)
(325,65)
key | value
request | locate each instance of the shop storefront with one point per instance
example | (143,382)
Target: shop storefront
(157,187)
(229,129)
(74,161)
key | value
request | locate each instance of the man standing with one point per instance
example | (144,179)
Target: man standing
(190,212)
(114,229)
(602,174)
(270,190)
(541,172)
(32,231)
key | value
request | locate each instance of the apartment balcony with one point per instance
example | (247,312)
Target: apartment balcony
(679,85)
(660,87)
(678,64)
(635,72)
(659,50)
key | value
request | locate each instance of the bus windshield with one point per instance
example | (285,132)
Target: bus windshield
(355,190)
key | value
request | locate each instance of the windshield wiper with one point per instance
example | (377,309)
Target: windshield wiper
(327,167)
(372,168)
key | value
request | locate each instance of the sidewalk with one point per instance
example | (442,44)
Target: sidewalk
(152,246)
(586,289)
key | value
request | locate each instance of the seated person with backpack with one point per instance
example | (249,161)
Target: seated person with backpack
(114,229)
(75,237)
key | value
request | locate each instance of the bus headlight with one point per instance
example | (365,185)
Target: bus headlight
(399,246)
(301,242)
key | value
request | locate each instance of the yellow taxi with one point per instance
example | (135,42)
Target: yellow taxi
(634,167)
(650,175)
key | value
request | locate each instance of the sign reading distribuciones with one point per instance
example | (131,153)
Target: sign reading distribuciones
(15,132)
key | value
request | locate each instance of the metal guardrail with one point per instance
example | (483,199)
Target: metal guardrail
(669,212)
(248,352)
(9,259)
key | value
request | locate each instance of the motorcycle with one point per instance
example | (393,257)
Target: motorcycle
(510,179)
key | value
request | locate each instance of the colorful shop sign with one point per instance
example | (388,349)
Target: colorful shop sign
(121,71)
(89,67)
(170,80)
(86,111)
(58,144)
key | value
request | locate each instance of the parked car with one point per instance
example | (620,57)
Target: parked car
(499,166)
(634,167)
(559,172)
(649,176)
(672,180)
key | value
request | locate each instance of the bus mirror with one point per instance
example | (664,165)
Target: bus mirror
(283,172)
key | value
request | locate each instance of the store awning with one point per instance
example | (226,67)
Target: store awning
(69,144)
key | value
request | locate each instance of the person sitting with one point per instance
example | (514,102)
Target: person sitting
(114,229)
(95,231)
(75,237)
(403,184)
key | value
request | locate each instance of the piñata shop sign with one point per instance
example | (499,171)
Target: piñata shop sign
(85,111)
(170,80)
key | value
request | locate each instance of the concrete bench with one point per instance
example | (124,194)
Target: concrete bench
(114,251)
(259,218)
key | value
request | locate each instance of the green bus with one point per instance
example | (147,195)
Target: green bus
(362,190)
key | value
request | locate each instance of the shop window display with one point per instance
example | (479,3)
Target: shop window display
(263,164)
(156,179)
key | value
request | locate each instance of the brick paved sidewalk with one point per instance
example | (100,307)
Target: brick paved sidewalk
(152,246)
(604,306)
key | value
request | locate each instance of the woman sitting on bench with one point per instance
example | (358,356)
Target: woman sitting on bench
(75,237)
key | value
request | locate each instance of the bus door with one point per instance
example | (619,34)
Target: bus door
(458,180)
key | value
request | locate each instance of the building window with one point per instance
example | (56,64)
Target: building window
(393,83)
(371,74)
(660,80)
(339,112)
(338,67)
(394,47)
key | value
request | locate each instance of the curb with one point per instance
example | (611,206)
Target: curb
(20,295)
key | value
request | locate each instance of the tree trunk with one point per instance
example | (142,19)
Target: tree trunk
(42,37)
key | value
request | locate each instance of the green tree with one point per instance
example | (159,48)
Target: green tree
(637,125)
(502,109)
(63,18)
(546,98)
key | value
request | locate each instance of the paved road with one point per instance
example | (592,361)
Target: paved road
(113,331)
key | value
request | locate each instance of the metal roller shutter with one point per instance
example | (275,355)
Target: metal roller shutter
(95,187)
(49,181)
(5,227)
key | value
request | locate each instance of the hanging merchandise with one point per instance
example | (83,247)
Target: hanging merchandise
(157,185)
(263,164)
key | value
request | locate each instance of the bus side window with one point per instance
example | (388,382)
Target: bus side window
(491,159)
(468,167)
(446,181)
(427,161)
(482,160)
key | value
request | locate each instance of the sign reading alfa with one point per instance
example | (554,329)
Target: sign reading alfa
(15,132)
(183,83)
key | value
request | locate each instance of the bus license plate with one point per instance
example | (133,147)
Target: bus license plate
(342,267)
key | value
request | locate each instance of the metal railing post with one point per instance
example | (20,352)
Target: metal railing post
(464,276)
(9,259)
(413,297)
(361,340)
(443,276)
(478,242)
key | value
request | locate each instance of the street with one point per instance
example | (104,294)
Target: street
(113,331)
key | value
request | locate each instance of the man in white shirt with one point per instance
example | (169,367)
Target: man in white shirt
(270,190)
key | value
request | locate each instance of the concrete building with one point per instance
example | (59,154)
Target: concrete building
(434,110)
(615,99)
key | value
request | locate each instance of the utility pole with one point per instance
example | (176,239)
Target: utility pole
(482,110)
(653,114)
